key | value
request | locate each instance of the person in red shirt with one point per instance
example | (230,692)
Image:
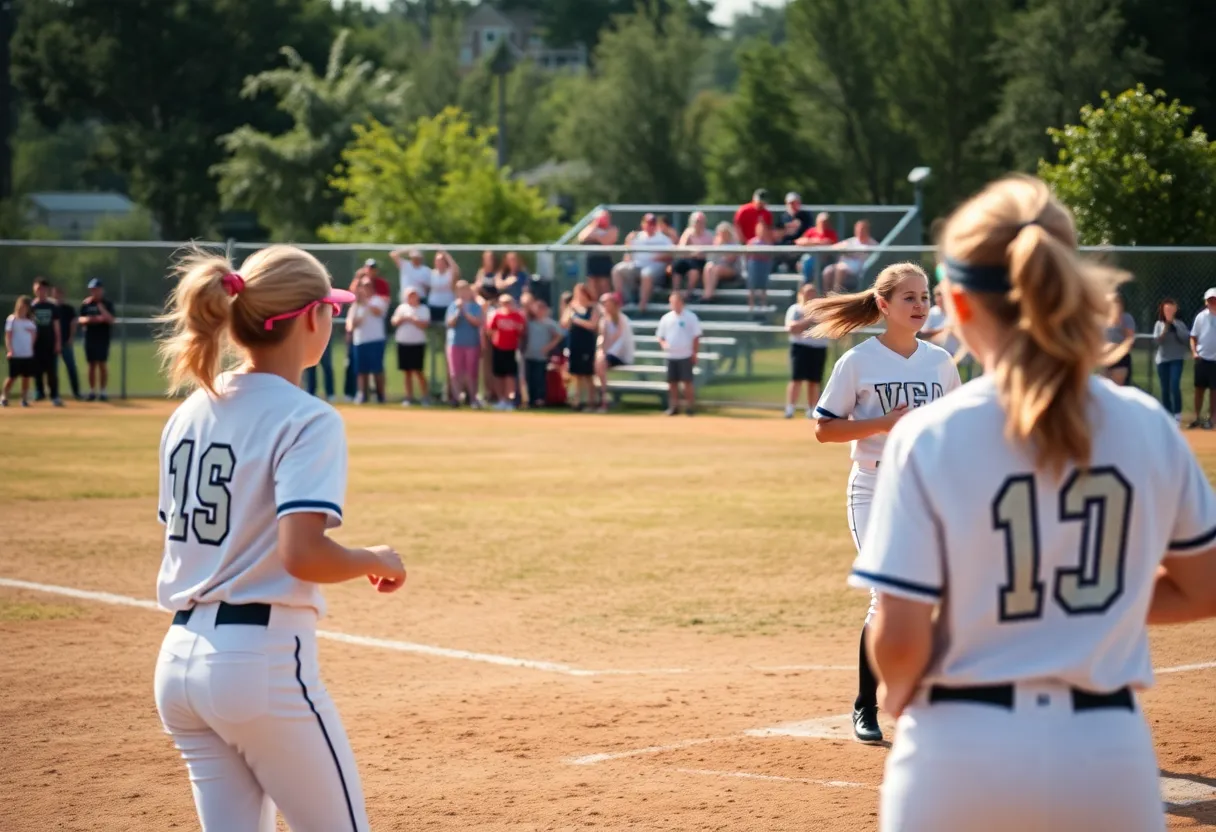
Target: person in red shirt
(506,326)
(820,235)
(379,284)
(748,215)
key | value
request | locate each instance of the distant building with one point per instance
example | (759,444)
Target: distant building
(74,214)
(486,27)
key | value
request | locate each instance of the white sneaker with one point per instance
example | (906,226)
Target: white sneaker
(406,403)
(789,411)
(359,398)
(810,414)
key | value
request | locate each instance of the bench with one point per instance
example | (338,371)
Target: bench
(622,387)
(659,355)
(720,334)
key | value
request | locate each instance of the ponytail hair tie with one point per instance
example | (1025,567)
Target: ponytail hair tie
(234,283)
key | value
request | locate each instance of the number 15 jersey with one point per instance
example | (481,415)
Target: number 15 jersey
(1039,577)
(230,467)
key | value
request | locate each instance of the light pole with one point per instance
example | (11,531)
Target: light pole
(501,65)
(917,177)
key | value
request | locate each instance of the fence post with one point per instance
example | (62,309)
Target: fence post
(122,332)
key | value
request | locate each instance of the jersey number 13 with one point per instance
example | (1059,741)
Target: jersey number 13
(1100,500)
(211,519)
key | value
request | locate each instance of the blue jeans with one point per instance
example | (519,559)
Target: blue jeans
(537,378)
(1170,375)
(69,364)
(327,371)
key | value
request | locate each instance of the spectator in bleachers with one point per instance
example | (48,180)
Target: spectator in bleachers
(506,326)
(759,269)
(46,342)
(412,271)
(512,279)
(679,334)
(601,232)
(1173,344)
(464,324)
(66,314)
(937,329)
(821,235)
(582,322)
(19,334)
(722,266)
(1121,328)
(97,318)
(543,336)
(615,345)
(412,320)
(1203,349)
(643,269)
(666,230)
(748,215)
(791,225)
(365,323)
(691,264)
(808,354)
(846,275)
(483,281)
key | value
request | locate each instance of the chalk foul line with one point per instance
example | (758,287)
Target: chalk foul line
(347,638)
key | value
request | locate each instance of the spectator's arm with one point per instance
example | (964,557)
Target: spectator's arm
(398,256)
(8,343)
(58,331)
(696,348)
(558,337)
(629,241)
(1194,347)
(473,319)
(588,232)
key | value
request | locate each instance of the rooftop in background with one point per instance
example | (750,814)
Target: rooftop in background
(486,27)
(74,214)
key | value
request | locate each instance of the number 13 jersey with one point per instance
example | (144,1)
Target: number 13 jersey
(230,467)
(1039,577)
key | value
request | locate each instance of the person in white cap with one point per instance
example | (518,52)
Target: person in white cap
(1203,349)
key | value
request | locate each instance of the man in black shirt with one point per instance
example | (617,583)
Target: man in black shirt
(46,341)
(97,318)
(66,314)
(794,222)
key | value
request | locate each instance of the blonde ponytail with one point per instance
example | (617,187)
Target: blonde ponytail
(1053,310)
(837,315)
(210,315)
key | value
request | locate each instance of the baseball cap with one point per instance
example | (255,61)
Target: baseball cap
(95,283)
(1210,293)
(369,262)
(792,196)
(760,193)
(648,218)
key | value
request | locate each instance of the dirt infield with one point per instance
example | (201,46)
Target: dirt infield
(642,622)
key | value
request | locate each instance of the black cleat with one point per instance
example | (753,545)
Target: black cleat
(865,725)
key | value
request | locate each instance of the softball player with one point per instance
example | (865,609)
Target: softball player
(1023,532)
(871,387)
(253,472)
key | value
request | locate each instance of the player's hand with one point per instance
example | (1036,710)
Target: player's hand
(389,573)
(896,414)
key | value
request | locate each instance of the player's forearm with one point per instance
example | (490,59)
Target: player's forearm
(848,430)
(324,561)
(901,655)
(1171,604)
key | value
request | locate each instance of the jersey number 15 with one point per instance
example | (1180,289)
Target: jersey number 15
(210,520)
(1100,500)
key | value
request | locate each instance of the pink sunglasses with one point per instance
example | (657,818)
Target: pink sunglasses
(335,298)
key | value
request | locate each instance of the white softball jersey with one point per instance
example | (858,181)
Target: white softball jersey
(871,380)
(230,467)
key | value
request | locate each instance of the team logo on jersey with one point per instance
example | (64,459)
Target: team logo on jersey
(893,394)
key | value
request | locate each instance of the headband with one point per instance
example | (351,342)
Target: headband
(234,283)
(978,278)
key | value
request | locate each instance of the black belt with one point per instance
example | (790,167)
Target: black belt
(255,615)
(1002,697)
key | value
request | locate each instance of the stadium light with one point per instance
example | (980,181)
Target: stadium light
(917,177)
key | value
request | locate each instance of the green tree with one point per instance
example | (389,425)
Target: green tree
(627,120)
(1055,56)
(163,80)
(284,177)
(585,21)
(438,182)
(1133,175)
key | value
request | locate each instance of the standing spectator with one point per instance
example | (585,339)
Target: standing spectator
(365,323)
(372,270)
(1203,348)
(846,275)
(440,296)
(542,338)
(822,235)
(380,288)
(692,264)
(46,342)
(464,320)
(412,320)
(759,269)
(793,223)
(582,321)
(19,334)
(753,212)
(506,326)
(97,318)
(615,346)
(66,314)
(412,271)
(1172,339)
(808,354)
(512,279)
(679,334)
(601,232)
(483,282)
(486,370)
(643,268)
(1120,328)
(722,266)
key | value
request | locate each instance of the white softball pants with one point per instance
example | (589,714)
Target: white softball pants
(960,766)
(246,707)
(858,499)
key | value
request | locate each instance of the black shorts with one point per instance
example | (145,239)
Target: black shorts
(806,363)
(581,363)
(21,368)
(614,361)
(503,364)
(1205,374)
(411,357)
(599,265)
(96,352)
(683,267)
(679,369)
